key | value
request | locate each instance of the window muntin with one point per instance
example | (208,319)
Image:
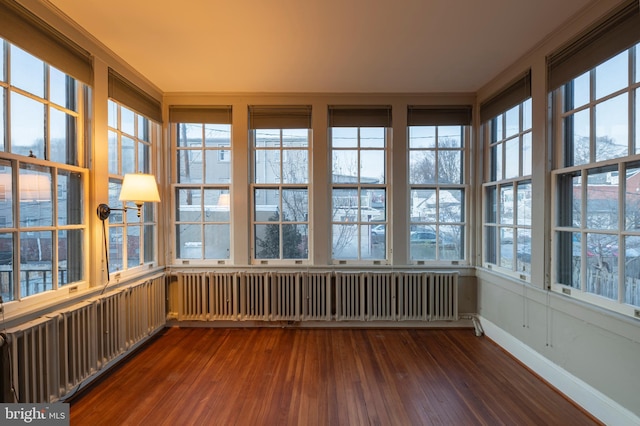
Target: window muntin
(437,192)
(42,225)
(202,192)
(280,175)
(359,193)
(132,239)
(507,222)
(597,185)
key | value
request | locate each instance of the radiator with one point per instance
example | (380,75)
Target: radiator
(192,296)
(443,296)
(316,296)
(350,296)
(380,289)
(413,291)
(223,296)
(254,296)
(54,354)
(285,296)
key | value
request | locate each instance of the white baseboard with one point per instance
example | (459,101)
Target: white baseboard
(590,399)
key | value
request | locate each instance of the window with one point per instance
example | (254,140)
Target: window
(42,176)
(359,189)
(437,144)
(507,187)
(202,182)
(596,177)
(280,145)
(132,136)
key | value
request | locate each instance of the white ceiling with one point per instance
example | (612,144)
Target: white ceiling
(328,46)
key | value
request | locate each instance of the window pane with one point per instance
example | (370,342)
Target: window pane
(36,264)
(491,213)
(497,130)
(368,249)
(345,166)
(577,131)
(216,206)
(36,207)
(526,115)
(188,241)
(506,204)
(496,163)
(62,89)
(632,197)
(450,136)
(216,171)
(27,126)
(266,205)
(27,72)
(113,153)
(149,243)
(143,130)
(112,118)
(6,266)
(602,267)
(188,208)
(292,138)
(569,199)
(506,248)
(602,199)
(217,135)
(422,137)
(62,137)
(344,137)
(217,241)
(451,242)
(523,251)
(450,205)
(512,122)
(190,135)
(70,255)
(637,125)
(3,75)
(133,246)
(3,132)
(450,167)
(423,207)
(295,167)
(578,92)
(422,244)
(527,160)
(372,137)
(128,155)
(524,204)
(6,194)
(267,241)
(70,199)
(114,200)
(144,158)
(295,205)
(568,249)
(344,241)
(612,75)
(422,167)
(372,167)
(632,271)
(127,121)
(512,158)
(267,166)
(612,128)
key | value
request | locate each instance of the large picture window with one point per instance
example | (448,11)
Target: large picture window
(42,176)
(507,187)
(132,238)
(203,182)
(280,146)
(596,177)
(437,146)
(359,145)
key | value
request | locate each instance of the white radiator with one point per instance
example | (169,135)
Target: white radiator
(350,300)
(254,296)
(76,344)
(443,296)
(54,354)
(285,296)
(192,296)
(413,291)
(380,288)
(316,296)
(223,296)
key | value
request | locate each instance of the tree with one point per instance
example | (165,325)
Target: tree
(269,245)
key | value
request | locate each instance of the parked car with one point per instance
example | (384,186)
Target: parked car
(378,234)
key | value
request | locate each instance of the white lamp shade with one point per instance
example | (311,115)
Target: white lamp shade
(139,188)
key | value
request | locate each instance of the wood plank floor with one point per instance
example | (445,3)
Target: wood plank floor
(282,376)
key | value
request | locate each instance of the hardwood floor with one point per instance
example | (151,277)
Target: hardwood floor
(282,376)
